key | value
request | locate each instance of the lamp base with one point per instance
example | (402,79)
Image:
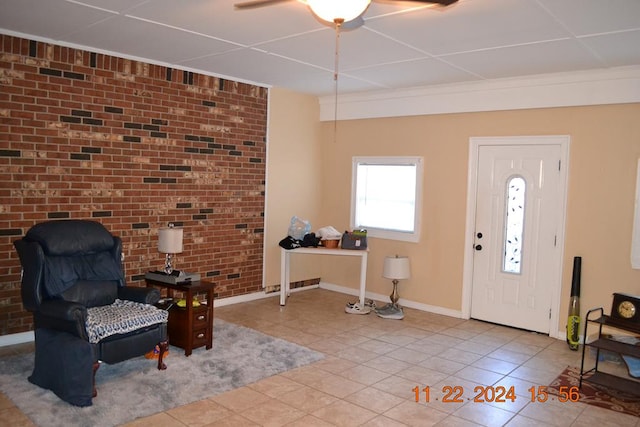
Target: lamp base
(390,311)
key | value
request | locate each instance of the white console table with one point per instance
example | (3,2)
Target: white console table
(285,261)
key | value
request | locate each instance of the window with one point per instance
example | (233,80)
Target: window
(386,196)
(514,221)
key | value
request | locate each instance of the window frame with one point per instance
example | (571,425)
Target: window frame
(382,233)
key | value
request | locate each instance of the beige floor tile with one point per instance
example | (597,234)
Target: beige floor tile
(554,414)
(235,420)
(394,338)
(272,414)
(364,375)
(479,376)
(356,354)
(307,399)
(453,421)
(537,376)
(427,347)
(328,346)
(421,375)
(445,340)
(601,417)
(407,355)
(521,387)
(509,356)
(375,400)
(459,333)
(387,364)
(442,365)
(200,413)
(5,402)
(15,418)
(382,421)
(495,365)
(309,421)
(240,399)
(521,421)
(275,386)
(344,414)
(460,356)
(414,414)
(397,386)
(378,347)
(162,419)
(476,347)
(485,415)
(337,386)
(334,364)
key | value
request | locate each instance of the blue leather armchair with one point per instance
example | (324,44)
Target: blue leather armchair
(73,283)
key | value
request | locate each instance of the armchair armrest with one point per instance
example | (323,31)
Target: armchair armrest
(64,310)
(141,295)
(61,315)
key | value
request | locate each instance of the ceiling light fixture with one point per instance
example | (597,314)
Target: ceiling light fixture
(345,10)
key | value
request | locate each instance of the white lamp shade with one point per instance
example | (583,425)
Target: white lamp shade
(396,268)
(170,240)
(330,10)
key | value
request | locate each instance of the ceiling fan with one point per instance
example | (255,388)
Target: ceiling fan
(337,12)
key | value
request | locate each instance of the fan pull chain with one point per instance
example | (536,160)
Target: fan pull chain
(338,23)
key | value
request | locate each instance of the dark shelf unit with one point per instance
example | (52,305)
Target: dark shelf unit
(597,317)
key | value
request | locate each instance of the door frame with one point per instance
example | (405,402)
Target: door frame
(467,277)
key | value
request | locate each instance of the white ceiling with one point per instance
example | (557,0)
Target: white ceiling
(399,46)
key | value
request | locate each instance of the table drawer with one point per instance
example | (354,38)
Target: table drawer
(199,338)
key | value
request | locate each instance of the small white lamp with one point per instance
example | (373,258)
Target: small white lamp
(170,243)
(395,268)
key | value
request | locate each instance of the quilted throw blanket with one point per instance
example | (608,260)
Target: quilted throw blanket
(121,317)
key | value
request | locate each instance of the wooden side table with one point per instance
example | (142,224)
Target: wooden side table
(189,327)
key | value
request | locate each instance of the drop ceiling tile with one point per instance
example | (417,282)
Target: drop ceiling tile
(616,49)
(472,25)
(412,73)
(525,60)
(595,16)
(131,37)
(36,14)
(112,5)
(219,18)
(357,48)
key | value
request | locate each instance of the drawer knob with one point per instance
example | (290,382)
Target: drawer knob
(200,335)
(201,317)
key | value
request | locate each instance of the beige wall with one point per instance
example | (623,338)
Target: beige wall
(604,151)
(293,177)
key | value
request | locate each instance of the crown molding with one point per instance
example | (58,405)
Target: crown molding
(594,87)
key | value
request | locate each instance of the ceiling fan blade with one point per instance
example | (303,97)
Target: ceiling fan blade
(257,3)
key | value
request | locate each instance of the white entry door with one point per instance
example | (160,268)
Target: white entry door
(516,253)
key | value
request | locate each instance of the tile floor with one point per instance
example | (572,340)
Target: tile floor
(372,367)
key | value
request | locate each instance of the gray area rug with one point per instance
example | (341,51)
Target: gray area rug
(135,388)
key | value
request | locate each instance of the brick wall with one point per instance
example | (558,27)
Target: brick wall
(133,146)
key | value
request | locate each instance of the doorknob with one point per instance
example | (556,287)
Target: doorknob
(478,247)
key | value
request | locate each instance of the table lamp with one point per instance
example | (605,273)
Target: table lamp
(169,243)
(395,268)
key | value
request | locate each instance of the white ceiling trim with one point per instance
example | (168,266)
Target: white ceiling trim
(612,86)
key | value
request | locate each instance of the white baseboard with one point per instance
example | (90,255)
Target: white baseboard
(19,338)
(403,302)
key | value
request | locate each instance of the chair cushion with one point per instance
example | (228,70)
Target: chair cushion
(121,317)
(71,237)
(92,293)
